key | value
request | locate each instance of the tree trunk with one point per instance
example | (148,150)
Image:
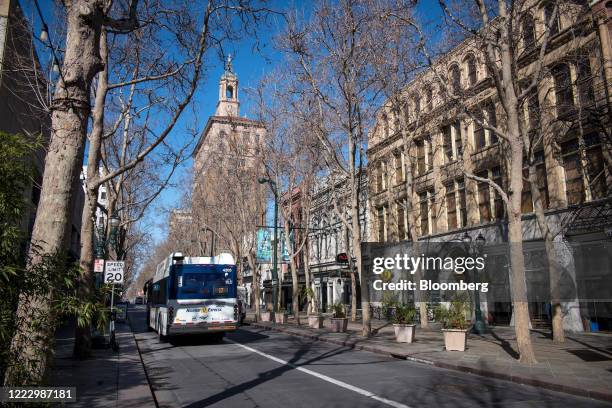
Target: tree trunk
(82,335)
(295,285)
(517,260)
(365,293)
(309,297)
(256,291)
(420,301)
(70,112)
(551,255)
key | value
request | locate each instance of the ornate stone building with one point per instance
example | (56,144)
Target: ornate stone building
(572,107)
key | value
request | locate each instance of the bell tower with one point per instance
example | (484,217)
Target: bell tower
(228,104)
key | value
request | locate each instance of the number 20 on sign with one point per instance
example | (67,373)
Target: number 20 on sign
(113,272)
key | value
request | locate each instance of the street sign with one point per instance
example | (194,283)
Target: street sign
(99,265)
(114,272)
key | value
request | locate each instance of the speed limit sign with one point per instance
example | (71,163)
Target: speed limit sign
(113,272)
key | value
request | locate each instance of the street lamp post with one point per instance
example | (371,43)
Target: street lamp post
(114,222)
(476,249)
(272,184)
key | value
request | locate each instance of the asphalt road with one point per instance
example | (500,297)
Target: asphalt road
(258,368)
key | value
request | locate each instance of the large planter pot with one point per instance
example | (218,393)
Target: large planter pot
(455,339)
(280,318)
(267,316)
(315,322)
(404,333)
(339,324)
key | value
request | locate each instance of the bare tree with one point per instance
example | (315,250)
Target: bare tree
(86,20)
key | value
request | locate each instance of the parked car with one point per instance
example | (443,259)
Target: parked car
(138,300)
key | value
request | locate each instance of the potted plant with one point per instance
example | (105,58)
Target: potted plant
(281,316)
(339,321)
(402,323)
(454,324)
(268,315)
(315,321)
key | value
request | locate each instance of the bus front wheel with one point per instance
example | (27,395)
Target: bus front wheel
(160,337)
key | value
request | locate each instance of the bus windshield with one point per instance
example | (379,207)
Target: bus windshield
(203,282)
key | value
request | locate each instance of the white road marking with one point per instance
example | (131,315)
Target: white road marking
(324,377)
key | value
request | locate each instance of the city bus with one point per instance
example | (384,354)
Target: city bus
(190,295)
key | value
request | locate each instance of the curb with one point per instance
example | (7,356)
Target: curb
(581,392)
(144,367)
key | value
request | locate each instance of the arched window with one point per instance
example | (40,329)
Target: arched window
(564,95)
(229,92)
(528,32)
(551,18)
(470,63)
(455,77)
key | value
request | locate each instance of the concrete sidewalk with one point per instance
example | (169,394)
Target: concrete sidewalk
(107,379)
(580,366)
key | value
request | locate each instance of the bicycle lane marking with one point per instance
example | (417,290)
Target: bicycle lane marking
(324,377)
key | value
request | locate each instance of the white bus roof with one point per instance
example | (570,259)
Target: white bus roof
(174,258)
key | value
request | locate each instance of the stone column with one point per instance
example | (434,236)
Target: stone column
(555,173)
(439,188)
(471,186)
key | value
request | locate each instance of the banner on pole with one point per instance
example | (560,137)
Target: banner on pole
(264,245)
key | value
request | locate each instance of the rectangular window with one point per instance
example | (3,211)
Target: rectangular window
(428,154)
(424,213)
(484,198)
(399,168)
(573,174)
(564,94)
(381,224)
(462,204)
(451,207)
(448,144)
(421,165)
(401,222)
(479,131)
(381,176)
(491,121)
(526,200)
(458,142)
(584,81)
(499,203)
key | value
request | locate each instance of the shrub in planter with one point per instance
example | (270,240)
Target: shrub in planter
(339,321)
(315,321)
(281,316)
(267,316)
(402,323)
(454,324)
